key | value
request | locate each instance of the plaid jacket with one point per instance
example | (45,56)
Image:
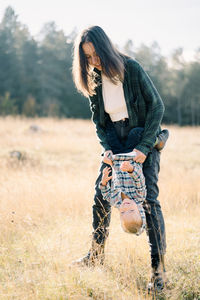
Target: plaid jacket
(131,184)
(144,105)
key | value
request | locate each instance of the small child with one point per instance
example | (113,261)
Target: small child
(127,191)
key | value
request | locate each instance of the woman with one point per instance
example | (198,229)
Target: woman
(122,96)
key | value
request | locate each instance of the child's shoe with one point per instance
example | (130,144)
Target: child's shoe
(162,139)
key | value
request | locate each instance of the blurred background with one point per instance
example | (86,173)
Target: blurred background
(49,156)
(36,45)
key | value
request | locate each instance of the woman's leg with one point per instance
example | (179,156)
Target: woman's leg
(155,220)
(101,222)
(101,212)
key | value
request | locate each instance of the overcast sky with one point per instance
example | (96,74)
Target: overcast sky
(172,23)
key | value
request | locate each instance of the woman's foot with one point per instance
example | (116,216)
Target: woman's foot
(94,257)
(158,277)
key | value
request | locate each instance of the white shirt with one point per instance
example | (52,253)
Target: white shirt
(113,98)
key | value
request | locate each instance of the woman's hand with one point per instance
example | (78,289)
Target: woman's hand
(106,158)
(126,167)
(105,176)
(140,157)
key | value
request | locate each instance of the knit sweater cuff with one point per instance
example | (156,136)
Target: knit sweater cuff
(144,149)
(104,188)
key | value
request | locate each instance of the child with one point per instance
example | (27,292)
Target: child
(127,191)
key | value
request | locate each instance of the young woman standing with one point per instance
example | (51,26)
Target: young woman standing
(121,95)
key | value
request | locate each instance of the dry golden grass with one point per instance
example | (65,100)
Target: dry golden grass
(46,216)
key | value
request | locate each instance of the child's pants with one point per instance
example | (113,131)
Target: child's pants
(129,137)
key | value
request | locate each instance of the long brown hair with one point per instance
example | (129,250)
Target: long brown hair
(112,62)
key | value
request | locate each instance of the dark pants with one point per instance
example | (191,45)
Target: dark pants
(121,138)
(154,217)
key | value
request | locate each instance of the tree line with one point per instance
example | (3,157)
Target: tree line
(36,78)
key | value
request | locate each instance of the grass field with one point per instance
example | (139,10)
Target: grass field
(46,216)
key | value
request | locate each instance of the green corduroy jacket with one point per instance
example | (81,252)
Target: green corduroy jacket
(144,104)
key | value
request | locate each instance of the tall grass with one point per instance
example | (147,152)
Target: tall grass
(46,216)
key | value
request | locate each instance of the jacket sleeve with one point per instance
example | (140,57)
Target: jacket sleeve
(100,131)
(139,181)
(111,195)
(154,111)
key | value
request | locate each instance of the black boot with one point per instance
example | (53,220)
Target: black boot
(158,276)
(94,257)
